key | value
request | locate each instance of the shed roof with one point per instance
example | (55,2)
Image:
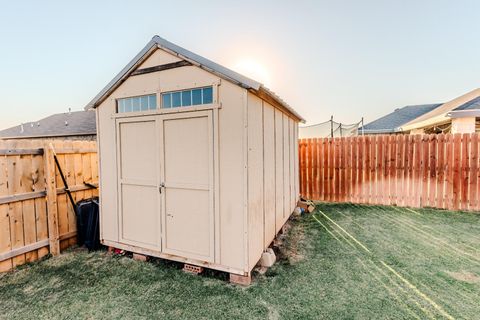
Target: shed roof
(77,123)
(204,63)
(392,121)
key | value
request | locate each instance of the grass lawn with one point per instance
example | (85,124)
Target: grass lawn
(345,261)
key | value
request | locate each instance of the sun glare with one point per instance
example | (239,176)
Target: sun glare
(254,70)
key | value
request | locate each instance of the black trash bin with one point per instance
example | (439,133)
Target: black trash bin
(88,232)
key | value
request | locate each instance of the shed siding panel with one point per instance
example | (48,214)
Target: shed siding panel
(231,178)
(292,167)
(297,167)
(286,168)
(255,179)
(269,172)
(279,184)
(108,169)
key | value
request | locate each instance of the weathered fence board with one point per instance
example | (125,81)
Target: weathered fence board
(441,171)
(32,224)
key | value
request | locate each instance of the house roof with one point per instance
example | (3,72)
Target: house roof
(470,105)
(392,121)
(195,59)
(75,123)
(441,114)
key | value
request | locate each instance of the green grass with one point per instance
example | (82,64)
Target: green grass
(345,261)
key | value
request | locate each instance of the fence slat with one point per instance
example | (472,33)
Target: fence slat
(464,176)
(440,169)
(474,196)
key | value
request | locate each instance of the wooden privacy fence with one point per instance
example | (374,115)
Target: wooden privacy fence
(35,215)
(440,171)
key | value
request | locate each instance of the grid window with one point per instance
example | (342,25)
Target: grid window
(135,104)
(187,98)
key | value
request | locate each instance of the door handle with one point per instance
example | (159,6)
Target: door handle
(162,185)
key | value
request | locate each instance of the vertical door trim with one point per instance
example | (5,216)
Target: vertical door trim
(119,184)
(216,189)
(212,189)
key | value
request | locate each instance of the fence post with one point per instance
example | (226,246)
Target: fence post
(51,187)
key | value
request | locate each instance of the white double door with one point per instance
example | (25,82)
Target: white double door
(165,183)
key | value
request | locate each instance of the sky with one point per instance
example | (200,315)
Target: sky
(350,59)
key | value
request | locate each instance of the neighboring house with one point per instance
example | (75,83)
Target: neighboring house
(460,115)
(392,122)
(77,125)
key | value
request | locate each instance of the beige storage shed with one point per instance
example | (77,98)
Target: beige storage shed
(198,163)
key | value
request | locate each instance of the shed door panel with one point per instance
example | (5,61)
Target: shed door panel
(138,176)
(188,178)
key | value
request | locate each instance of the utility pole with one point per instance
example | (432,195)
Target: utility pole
(331,126)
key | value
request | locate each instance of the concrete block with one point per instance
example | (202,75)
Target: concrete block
(188,268)
(268,258)
(139,257)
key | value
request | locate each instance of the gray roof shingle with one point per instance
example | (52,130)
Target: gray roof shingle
(394,120)
(56,125)
(470,105)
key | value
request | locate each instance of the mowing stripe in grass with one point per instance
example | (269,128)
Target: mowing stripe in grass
(398,287)
(348,234)
(439,240)
(454,229)
(336,231)
(420,293)
(403,290)
(432,233)
(391,292)
(412,211)
(409,284)
(325,228)
(427,236)
(437,216)
(465,295)
(441,283)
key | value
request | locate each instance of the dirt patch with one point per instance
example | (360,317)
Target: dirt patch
(288,243)
(464,276)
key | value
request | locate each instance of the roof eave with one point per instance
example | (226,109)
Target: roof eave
(464,113)
(49,135)
(280,103)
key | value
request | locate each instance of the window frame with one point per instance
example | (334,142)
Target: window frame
(170,88)
(147,96)
(182,91)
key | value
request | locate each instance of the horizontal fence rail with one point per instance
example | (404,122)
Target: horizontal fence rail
(35,217)
(440,171)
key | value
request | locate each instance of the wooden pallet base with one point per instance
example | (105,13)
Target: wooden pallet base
(240,280)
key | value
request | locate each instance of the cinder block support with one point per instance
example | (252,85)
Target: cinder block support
(188,268)
(240,280)
(268,258)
